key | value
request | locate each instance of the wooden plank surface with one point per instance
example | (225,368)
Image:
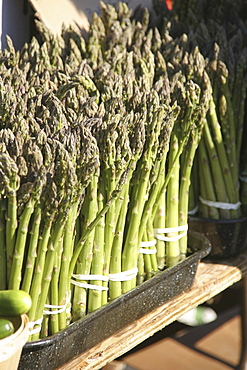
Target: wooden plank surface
(210,280)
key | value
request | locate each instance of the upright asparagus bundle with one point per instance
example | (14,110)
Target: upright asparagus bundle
(98,137)
(221,36)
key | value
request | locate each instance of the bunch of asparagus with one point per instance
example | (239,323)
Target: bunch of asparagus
(98,138)
(219,29)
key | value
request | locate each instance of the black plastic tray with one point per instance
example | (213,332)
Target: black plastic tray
(54,351)
(228,237)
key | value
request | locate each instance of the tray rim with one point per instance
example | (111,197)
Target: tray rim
(195,256)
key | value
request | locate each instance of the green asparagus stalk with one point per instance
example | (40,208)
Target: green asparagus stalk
(159,223)
(83,266)
(32,250)
(78,247)
(228,181)
(220,186)
(136,142)
(39,267)
(54,294)
(184,188)
(95,295)
(3,262)
(173,252)
(130,251)
(52,247)
(63,283)
(206,183)
(11,224)
(9,181)
(109,182)
(15,273)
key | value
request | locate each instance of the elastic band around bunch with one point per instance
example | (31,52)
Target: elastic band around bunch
(32,324)
(60,308)
(243,177)
(147,251)
(221,205)
(144,245)
(174,238)
(91,277)
(124,275)
(86,285)
(193,211)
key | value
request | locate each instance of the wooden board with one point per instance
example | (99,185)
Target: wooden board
(210,280)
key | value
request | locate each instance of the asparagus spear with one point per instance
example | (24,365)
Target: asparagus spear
(51,92)
(3,284)
(89,210)
(9,185)
(206,183)
(130,251)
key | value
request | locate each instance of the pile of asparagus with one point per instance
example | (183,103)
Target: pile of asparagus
(219,29)
(98,137)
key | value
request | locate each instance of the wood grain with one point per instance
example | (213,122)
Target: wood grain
(210,280)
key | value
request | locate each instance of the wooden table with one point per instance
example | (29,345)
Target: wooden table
(210,280)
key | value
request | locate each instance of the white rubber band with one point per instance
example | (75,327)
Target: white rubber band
(243,178)
(194,210)
(54,306)
(124,275)
(175,229)
(147,251)
(147,244)
(32,324)
(55,312)
(88,286)
(221,205)
(91,277)
(144,245)
(174,238)
(171,229)
(60,308)
(68,309)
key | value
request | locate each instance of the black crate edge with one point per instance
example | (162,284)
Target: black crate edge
(227,237)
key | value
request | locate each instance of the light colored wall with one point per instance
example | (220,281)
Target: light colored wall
(56,12)
(15,15)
